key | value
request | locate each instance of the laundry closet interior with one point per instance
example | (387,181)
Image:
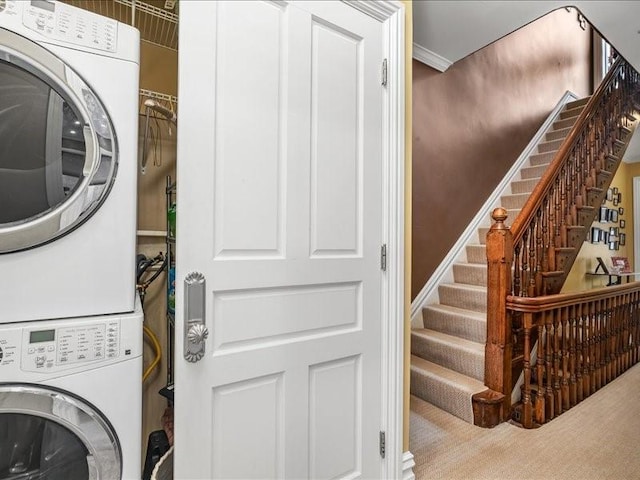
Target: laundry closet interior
(157,21)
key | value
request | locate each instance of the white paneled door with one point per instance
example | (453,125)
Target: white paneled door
(280,208)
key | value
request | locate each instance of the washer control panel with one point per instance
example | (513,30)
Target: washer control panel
(66,23)
(57,348)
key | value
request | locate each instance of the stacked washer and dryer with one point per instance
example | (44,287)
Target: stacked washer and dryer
(70,322)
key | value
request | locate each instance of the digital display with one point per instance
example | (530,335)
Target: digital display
(51,7)
(42,336)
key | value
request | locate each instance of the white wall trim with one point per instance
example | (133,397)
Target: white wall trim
(430,288)
(636,224)
(393,310)
(381,10)
(430,58)
(407,466)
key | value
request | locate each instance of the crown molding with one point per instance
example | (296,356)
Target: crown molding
(430,58)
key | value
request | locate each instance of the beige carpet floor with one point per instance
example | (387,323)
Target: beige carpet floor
(598,439)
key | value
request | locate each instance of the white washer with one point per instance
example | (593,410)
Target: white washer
(68,149)
(70,398)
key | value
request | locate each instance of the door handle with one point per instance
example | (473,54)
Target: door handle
(195,328)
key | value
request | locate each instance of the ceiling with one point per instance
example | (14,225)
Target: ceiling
(447,31)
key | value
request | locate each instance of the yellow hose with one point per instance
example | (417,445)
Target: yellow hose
(158,352)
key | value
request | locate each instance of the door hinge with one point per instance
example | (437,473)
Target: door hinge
(383,444)
(384,72)
(383,257)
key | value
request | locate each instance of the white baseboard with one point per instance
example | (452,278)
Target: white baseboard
(407,466)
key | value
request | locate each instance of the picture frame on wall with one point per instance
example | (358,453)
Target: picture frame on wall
(622,223)
(621,264)
(610,194)
(613,232)
(604,215)
(613,216)
(619,197)
(621,211)
(623,239)
(615,201)
(595,234)
(613,245)
(615,190)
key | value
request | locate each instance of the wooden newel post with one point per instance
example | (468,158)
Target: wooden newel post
(499,346)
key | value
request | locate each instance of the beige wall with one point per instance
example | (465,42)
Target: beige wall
(471,122)
(578,279)
(158,68)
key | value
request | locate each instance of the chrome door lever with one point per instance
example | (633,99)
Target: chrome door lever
(195,328)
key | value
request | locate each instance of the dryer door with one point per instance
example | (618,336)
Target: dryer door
(57,146)
(53,435)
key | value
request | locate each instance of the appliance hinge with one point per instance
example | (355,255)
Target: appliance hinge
(384,72)
(383,444)
(383,257)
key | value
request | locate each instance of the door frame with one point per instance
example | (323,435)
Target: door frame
(636,223)
(391,14)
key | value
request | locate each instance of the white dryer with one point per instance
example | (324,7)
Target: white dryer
(70,398)
(68,148)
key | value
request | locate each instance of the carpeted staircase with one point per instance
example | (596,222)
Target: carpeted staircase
(447,355)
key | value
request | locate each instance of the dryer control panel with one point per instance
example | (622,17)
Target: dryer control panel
(52,348)
(58,347)
(66,23)
(41,349)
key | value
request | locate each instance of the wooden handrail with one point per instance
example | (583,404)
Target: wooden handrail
(550,302)
(518,227)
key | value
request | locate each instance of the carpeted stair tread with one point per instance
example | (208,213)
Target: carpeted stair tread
(541,158)
(524,186)
(534,172)
(444,388)
(567,122)
(456,321)
(470,273)
(482,234)
(476,253)
(468,297)
(514,200)
(560,133)
(571,112)
(581,102)
(544,147)
(450,352)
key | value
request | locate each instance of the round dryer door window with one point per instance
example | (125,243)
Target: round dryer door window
(52,435)
(57,146)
